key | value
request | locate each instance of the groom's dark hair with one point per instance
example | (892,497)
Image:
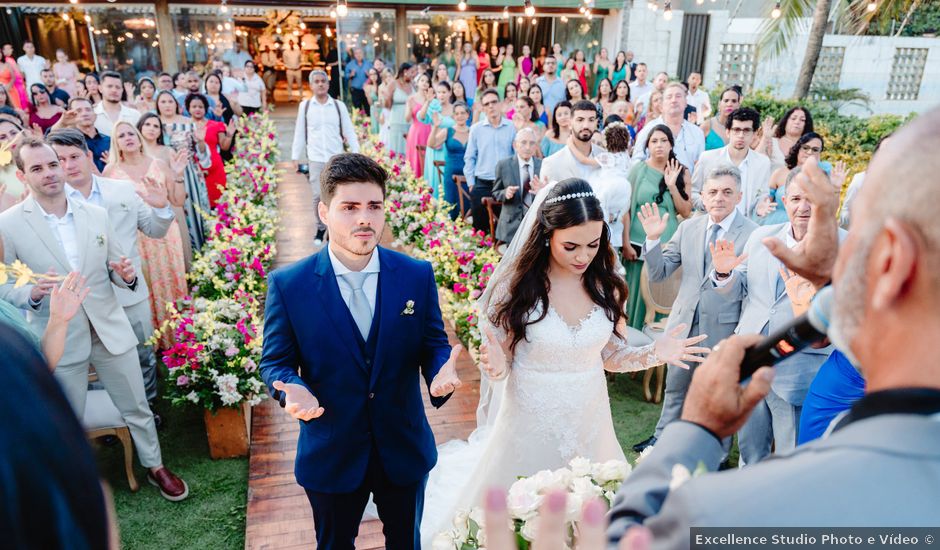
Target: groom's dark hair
(350,168)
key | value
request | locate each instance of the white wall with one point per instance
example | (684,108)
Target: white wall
(866,65)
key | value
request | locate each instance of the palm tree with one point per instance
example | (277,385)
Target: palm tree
(855,16)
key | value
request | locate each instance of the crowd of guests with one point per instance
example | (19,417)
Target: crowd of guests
(683,184)
(104,194)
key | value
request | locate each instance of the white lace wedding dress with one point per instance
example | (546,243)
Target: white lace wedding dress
(554,407)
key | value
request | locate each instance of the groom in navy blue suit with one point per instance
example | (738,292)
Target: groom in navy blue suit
(347,334)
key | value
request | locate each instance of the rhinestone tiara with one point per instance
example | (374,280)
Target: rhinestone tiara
(553,200)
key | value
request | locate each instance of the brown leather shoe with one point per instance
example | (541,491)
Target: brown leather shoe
(171,487)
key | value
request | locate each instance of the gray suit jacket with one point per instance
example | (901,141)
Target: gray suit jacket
(877,472)
(718,316)
(507,175)
(27,237)
(755,282)
(128,213)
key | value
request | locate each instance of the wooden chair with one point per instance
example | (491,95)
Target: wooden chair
(463,198)
(102,418)
(439,166)
(658,298)
(493,208)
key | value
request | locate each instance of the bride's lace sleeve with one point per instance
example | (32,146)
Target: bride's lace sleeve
(620,356)
(500,333)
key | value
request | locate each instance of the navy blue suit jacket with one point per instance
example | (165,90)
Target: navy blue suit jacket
(311,339)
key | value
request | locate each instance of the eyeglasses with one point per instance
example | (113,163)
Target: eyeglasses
(741,131)
(810,149)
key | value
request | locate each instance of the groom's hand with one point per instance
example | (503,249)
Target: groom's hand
(446,380)
(298,401)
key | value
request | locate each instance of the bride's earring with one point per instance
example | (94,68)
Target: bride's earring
(546,242)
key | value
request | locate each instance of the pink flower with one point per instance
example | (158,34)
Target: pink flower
(182,380)
(460,288)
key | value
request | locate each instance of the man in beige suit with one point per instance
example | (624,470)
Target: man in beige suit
(48,231)
(128,212)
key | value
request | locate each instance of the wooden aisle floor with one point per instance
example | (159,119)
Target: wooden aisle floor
(279,515)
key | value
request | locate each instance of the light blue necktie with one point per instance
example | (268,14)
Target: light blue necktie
(712,239)
(358,303)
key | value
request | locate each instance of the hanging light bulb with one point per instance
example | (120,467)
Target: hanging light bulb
(667,11)
(278,30)
(872,6)
(582,9)
(529,8)
(223,8)
(73,1)
(65,17)
(332,15)
(588,14)
(519,20)
(506,12)
(342,9)
(329,33)
(462,6)
(775,13)
(564,18)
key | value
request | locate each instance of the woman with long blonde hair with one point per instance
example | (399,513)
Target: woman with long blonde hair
(164,263)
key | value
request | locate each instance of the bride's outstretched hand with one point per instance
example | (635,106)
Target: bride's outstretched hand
(494,354)
(447,380)
(674,350)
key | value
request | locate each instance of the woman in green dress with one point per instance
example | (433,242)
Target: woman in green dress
(602,69)
(508,72)
(620,68)
(660,179)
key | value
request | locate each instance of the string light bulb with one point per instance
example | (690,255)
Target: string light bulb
(342,9)
(65,17)
(223,8)
(529,8)
(462,6)
(332,15)
(667,11)
(506,12)
(519,20)
(775,13)
(872,6)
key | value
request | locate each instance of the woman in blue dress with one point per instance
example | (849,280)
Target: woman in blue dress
(454,140)
(770,209)
(469,64)
(556,138)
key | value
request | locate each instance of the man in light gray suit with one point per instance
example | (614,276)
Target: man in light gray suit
(754,167)
(756,278)
(149,212)
(49,229)
(698,306)
(517,182)
(879,465)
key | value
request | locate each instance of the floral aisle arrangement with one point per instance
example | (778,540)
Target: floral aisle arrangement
(463,259)
(217,331)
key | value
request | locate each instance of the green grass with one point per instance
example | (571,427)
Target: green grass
(213,517)
(634,418)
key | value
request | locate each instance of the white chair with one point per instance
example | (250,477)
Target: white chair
(102,418)
(658,298)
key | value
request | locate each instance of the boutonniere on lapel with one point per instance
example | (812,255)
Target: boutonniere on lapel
(409,308)
(100,240)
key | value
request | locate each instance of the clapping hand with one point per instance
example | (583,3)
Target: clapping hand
(839,174)
(551,533)
(653,223)
(672,349)
(65,299)
(218,110)
(765,206)
(447,380)
(494,354)
(814,257)
(298,401)
(124,269)
(723,258)
(799,290)
(154,193)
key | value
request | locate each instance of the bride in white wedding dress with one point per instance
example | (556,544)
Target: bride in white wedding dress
(549,334)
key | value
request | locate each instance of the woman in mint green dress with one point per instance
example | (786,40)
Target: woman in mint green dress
(620,69)
(602,69)
(508,72)
(662,181)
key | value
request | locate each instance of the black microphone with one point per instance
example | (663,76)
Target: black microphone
(805,330)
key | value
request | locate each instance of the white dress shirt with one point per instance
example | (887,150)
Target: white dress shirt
(96,198)
(701,102)
(690,143)
(104,124)
(63,229)
(251,95)
(370,285)
(748,190)
(563,165)
(321,137)
(32,69)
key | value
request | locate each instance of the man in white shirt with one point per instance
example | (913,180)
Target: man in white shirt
(565,163)
(292,56)
(269,71)
(755,167)
(689,140)
(50,230)
(698,98)
(640,87)
(659,84)
(128,212)
(323,129)
(31,64)
(111,111)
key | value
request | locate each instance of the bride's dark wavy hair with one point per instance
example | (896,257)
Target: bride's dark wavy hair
(529,286)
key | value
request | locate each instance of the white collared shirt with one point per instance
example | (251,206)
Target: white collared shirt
(370,285)
(96,198)
(321,137)
(32,68)
(104,124)
(63,229)
(747,194)
(724,226)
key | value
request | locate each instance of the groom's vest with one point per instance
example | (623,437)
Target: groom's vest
(368,347)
